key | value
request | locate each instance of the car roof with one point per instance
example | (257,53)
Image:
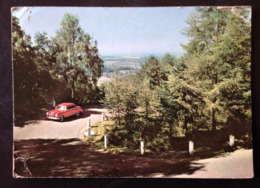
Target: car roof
(66,104)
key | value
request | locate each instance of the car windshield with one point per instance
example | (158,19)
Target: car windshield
(61,107)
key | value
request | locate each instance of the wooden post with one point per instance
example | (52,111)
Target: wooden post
(105,141)
(231,140)
(102,116)
(191,147)
(142,147)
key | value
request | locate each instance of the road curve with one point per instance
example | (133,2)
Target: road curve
(48,129)
(89,162)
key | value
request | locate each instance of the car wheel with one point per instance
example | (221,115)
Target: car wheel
(62,118)
(78,113)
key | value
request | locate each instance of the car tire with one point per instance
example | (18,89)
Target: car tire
(78,113)
(61,118)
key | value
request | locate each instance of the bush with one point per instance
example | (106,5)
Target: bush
(159,144)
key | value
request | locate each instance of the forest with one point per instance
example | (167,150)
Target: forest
(63,68)
(205,91)
(205,94)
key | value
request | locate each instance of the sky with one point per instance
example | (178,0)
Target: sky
(118,31)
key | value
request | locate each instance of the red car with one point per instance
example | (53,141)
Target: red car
(64,110)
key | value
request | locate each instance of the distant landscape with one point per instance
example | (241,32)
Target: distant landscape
(127,65)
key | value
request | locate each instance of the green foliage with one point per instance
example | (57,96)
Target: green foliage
(221,67)
(77,58)
(153,72)
(120,99)
(31,80)
(207,89)
(65,67)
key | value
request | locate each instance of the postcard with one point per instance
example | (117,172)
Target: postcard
(137,92)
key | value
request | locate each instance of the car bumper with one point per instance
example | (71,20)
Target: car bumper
(53,118)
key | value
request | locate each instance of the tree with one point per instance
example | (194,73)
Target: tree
(221,40)
(168,62)
(204,26)
(24,67)
(121,99)
(153,72)
(113,97)
(65,67)
(32,79)
(207,89)
(232,51)
(77,57)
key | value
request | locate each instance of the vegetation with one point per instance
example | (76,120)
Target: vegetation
(65,67)
(206,90)
(205,93)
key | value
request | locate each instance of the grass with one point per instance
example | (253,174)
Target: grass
(97,140)
(203,148)
(99,128)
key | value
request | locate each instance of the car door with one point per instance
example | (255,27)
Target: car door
(63,112)
(70,110)
(67,112)
(73,109)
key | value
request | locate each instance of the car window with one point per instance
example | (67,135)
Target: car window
(61,107)
(71,107)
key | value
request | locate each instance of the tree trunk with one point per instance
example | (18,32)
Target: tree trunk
(185,125)
(214,123)
(72,90)
(146,110)
(170,130)
(118,112)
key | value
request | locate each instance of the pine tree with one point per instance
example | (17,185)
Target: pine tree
(153,71)
(224,59)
